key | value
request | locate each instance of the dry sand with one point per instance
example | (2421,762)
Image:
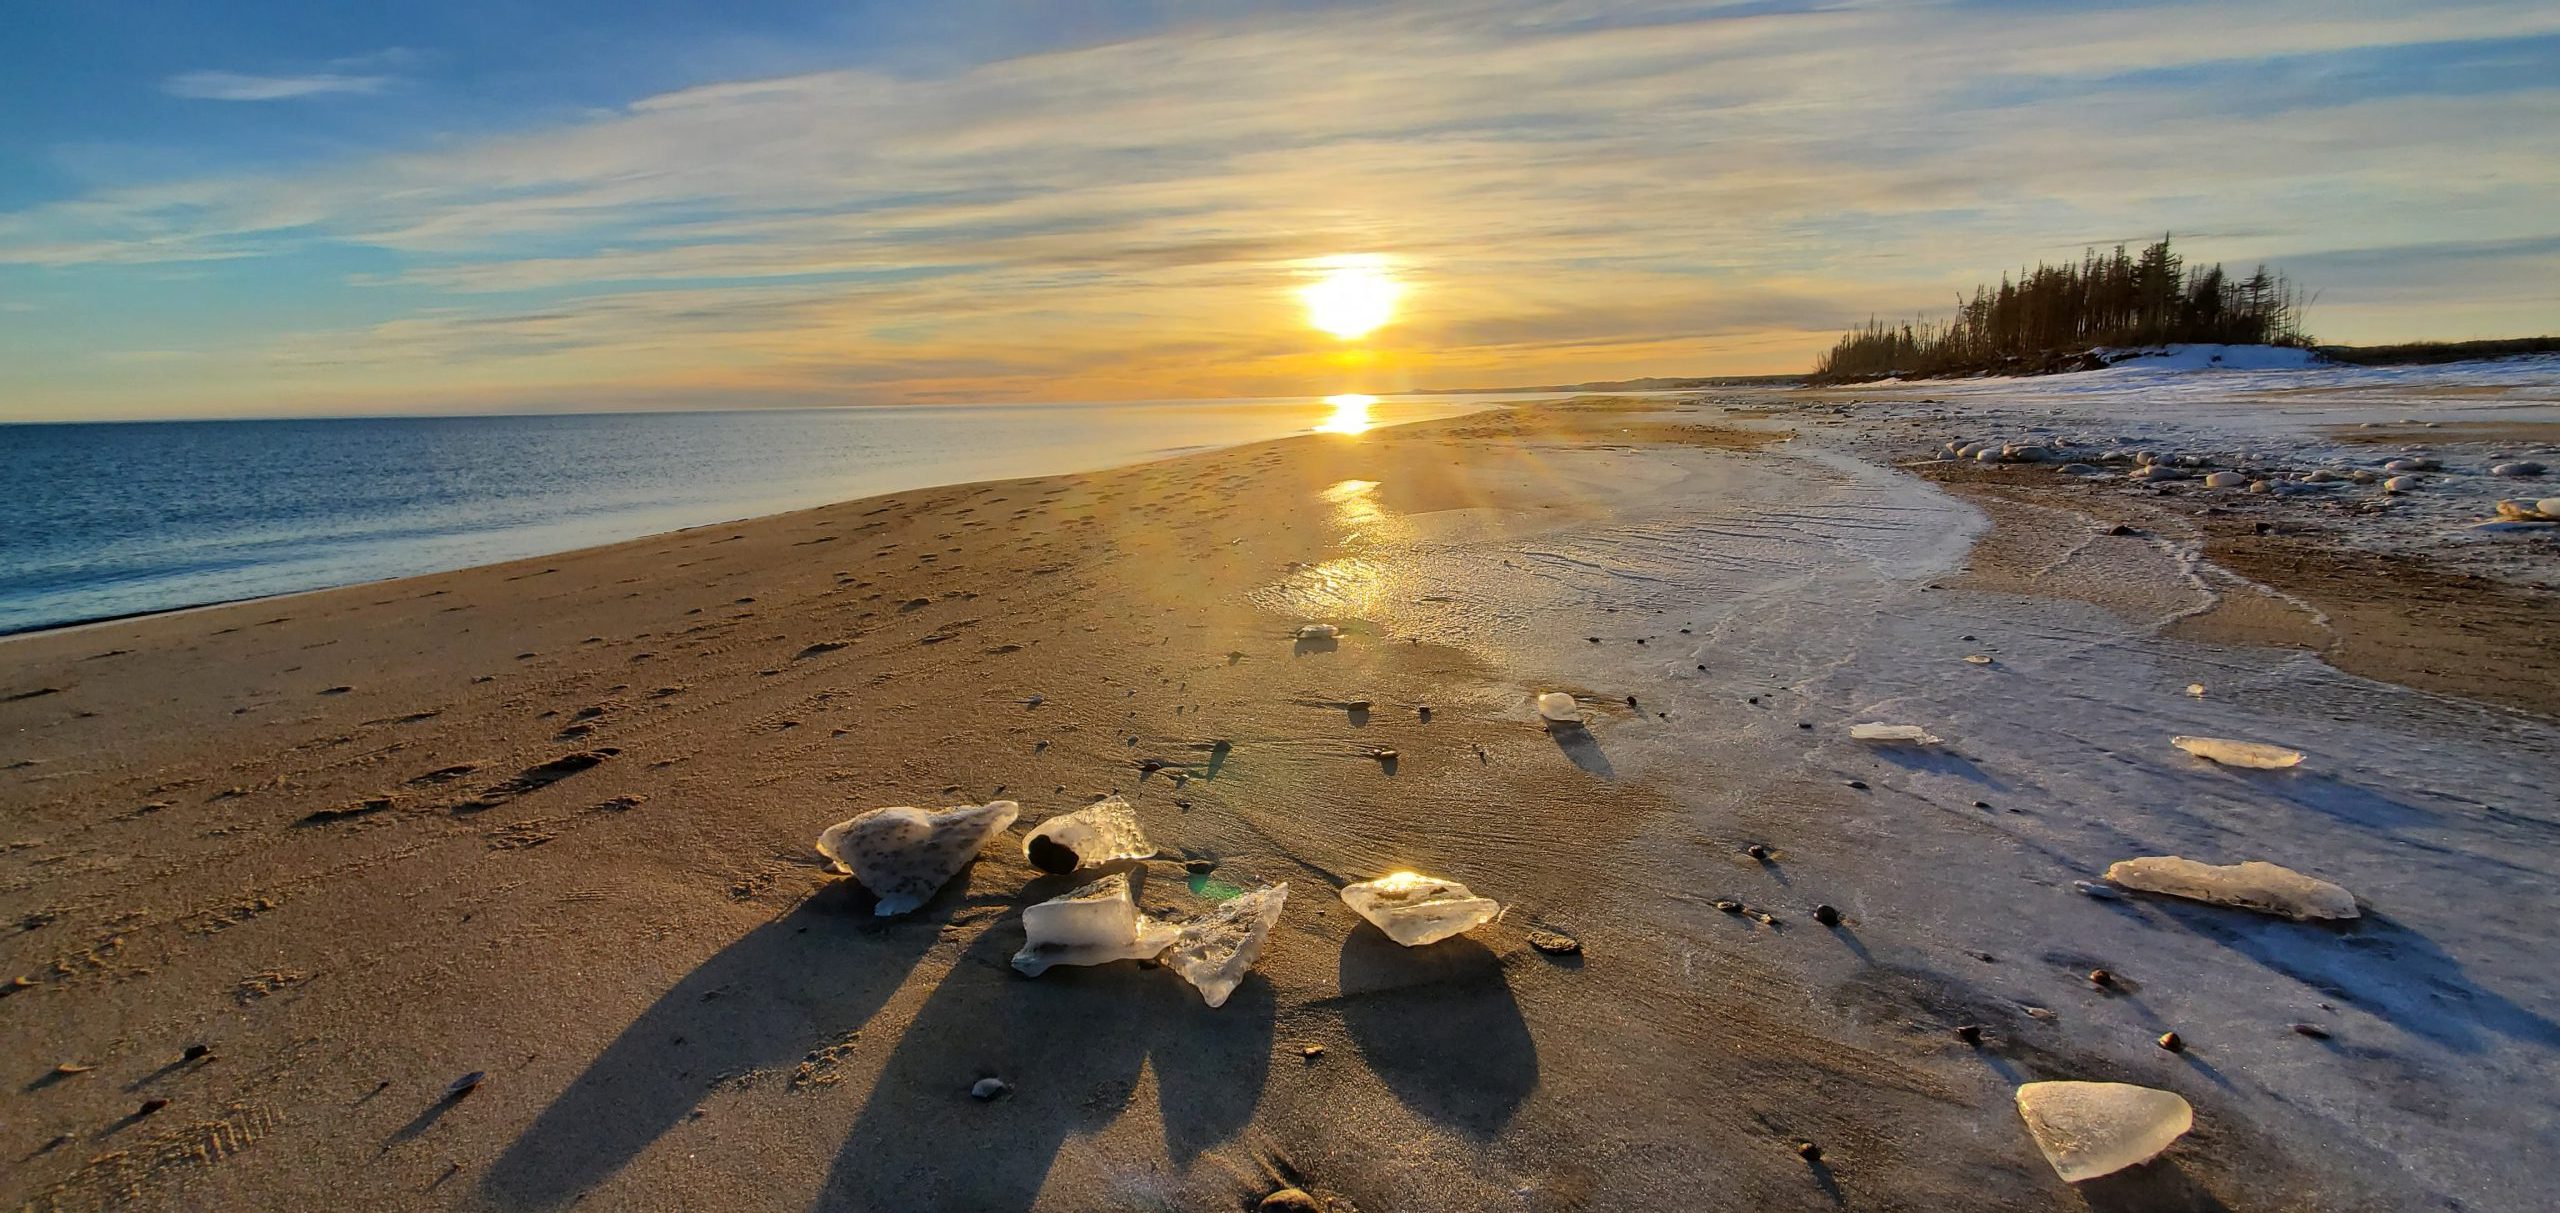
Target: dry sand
(551,821)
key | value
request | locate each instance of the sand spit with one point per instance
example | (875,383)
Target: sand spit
(555,832)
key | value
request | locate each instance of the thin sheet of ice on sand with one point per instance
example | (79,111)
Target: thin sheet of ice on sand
(2254,754)
(903,854)
(1414,909)
(1214,951)
(2252,885)
(1095,834)
(1892,734)
(1096,924)
(2090,1129)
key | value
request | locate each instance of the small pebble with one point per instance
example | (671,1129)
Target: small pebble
(2101,977)
(1311,1052)
(990,1088)
(149,1106)
(1801,724)
(1970,1033)
(1554,943)
(466,1084)
(1290,1200)
(72,1067)
(1809,1151)
(195,1051)
(1729,907)
(2312,1030)
(1982,804)
(2172,1042)
(2102,892)
(1827,915)
(1756,851)
(1859,784)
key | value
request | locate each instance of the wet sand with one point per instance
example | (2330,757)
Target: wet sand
(551,821)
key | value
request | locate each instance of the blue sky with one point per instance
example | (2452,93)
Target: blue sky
(248,208)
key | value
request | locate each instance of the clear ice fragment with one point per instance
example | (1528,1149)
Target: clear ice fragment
(2253,885)
(903,854)
(1096,924)
(1414,909)
(1559,707)
(1894,734)
(1095,834)
(2231,753)
(2089,1129)
(1214,950)
(1319,631)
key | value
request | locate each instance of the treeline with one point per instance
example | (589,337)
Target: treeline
(2053,316)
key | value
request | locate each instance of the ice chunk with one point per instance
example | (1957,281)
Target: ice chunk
(1096,924)
(1319,631)
(902,855)
(2231,753)
(1095,834)
(2089,1129)
(1213,951)
(2253,885)
(1894,734)
(1559,707)
(1414,909)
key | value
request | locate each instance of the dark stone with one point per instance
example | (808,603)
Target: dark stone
(1826,915)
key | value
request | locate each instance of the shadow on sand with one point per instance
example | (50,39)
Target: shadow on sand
(1439,1026)
(2379,967)
(1582,748)
(1073,1044)
(796,983)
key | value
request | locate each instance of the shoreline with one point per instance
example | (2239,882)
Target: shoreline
(779,461)
(550,821)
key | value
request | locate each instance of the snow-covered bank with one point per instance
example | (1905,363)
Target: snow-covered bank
(2324,440)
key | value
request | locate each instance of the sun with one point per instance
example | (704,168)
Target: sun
(1353,298)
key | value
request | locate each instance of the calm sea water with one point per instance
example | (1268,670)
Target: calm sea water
(98,521)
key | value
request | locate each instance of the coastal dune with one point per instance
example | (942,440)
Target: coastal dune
(550,822)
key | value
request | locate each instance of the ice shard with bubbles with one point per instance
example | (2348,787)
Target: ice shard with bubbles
(1214,951)
(2252,885)
(2090,1129)
(1096,924)
(1095,834)
(903,854)
(1414,909)
(2254,754)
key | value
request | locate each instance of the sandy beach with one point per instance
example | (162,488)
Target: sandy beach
(551,822)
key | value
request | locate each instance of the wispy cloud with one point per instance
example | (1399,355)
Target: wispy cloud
(241,86)
(1676,191)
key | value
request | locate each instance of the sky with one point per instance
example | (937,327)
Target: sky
(250,208)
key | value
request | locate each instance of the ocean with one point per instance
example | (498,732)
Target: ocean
(100,521)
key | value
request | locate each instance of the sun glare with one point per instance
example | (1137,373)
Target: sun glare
(1350,414)
(1354,297)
